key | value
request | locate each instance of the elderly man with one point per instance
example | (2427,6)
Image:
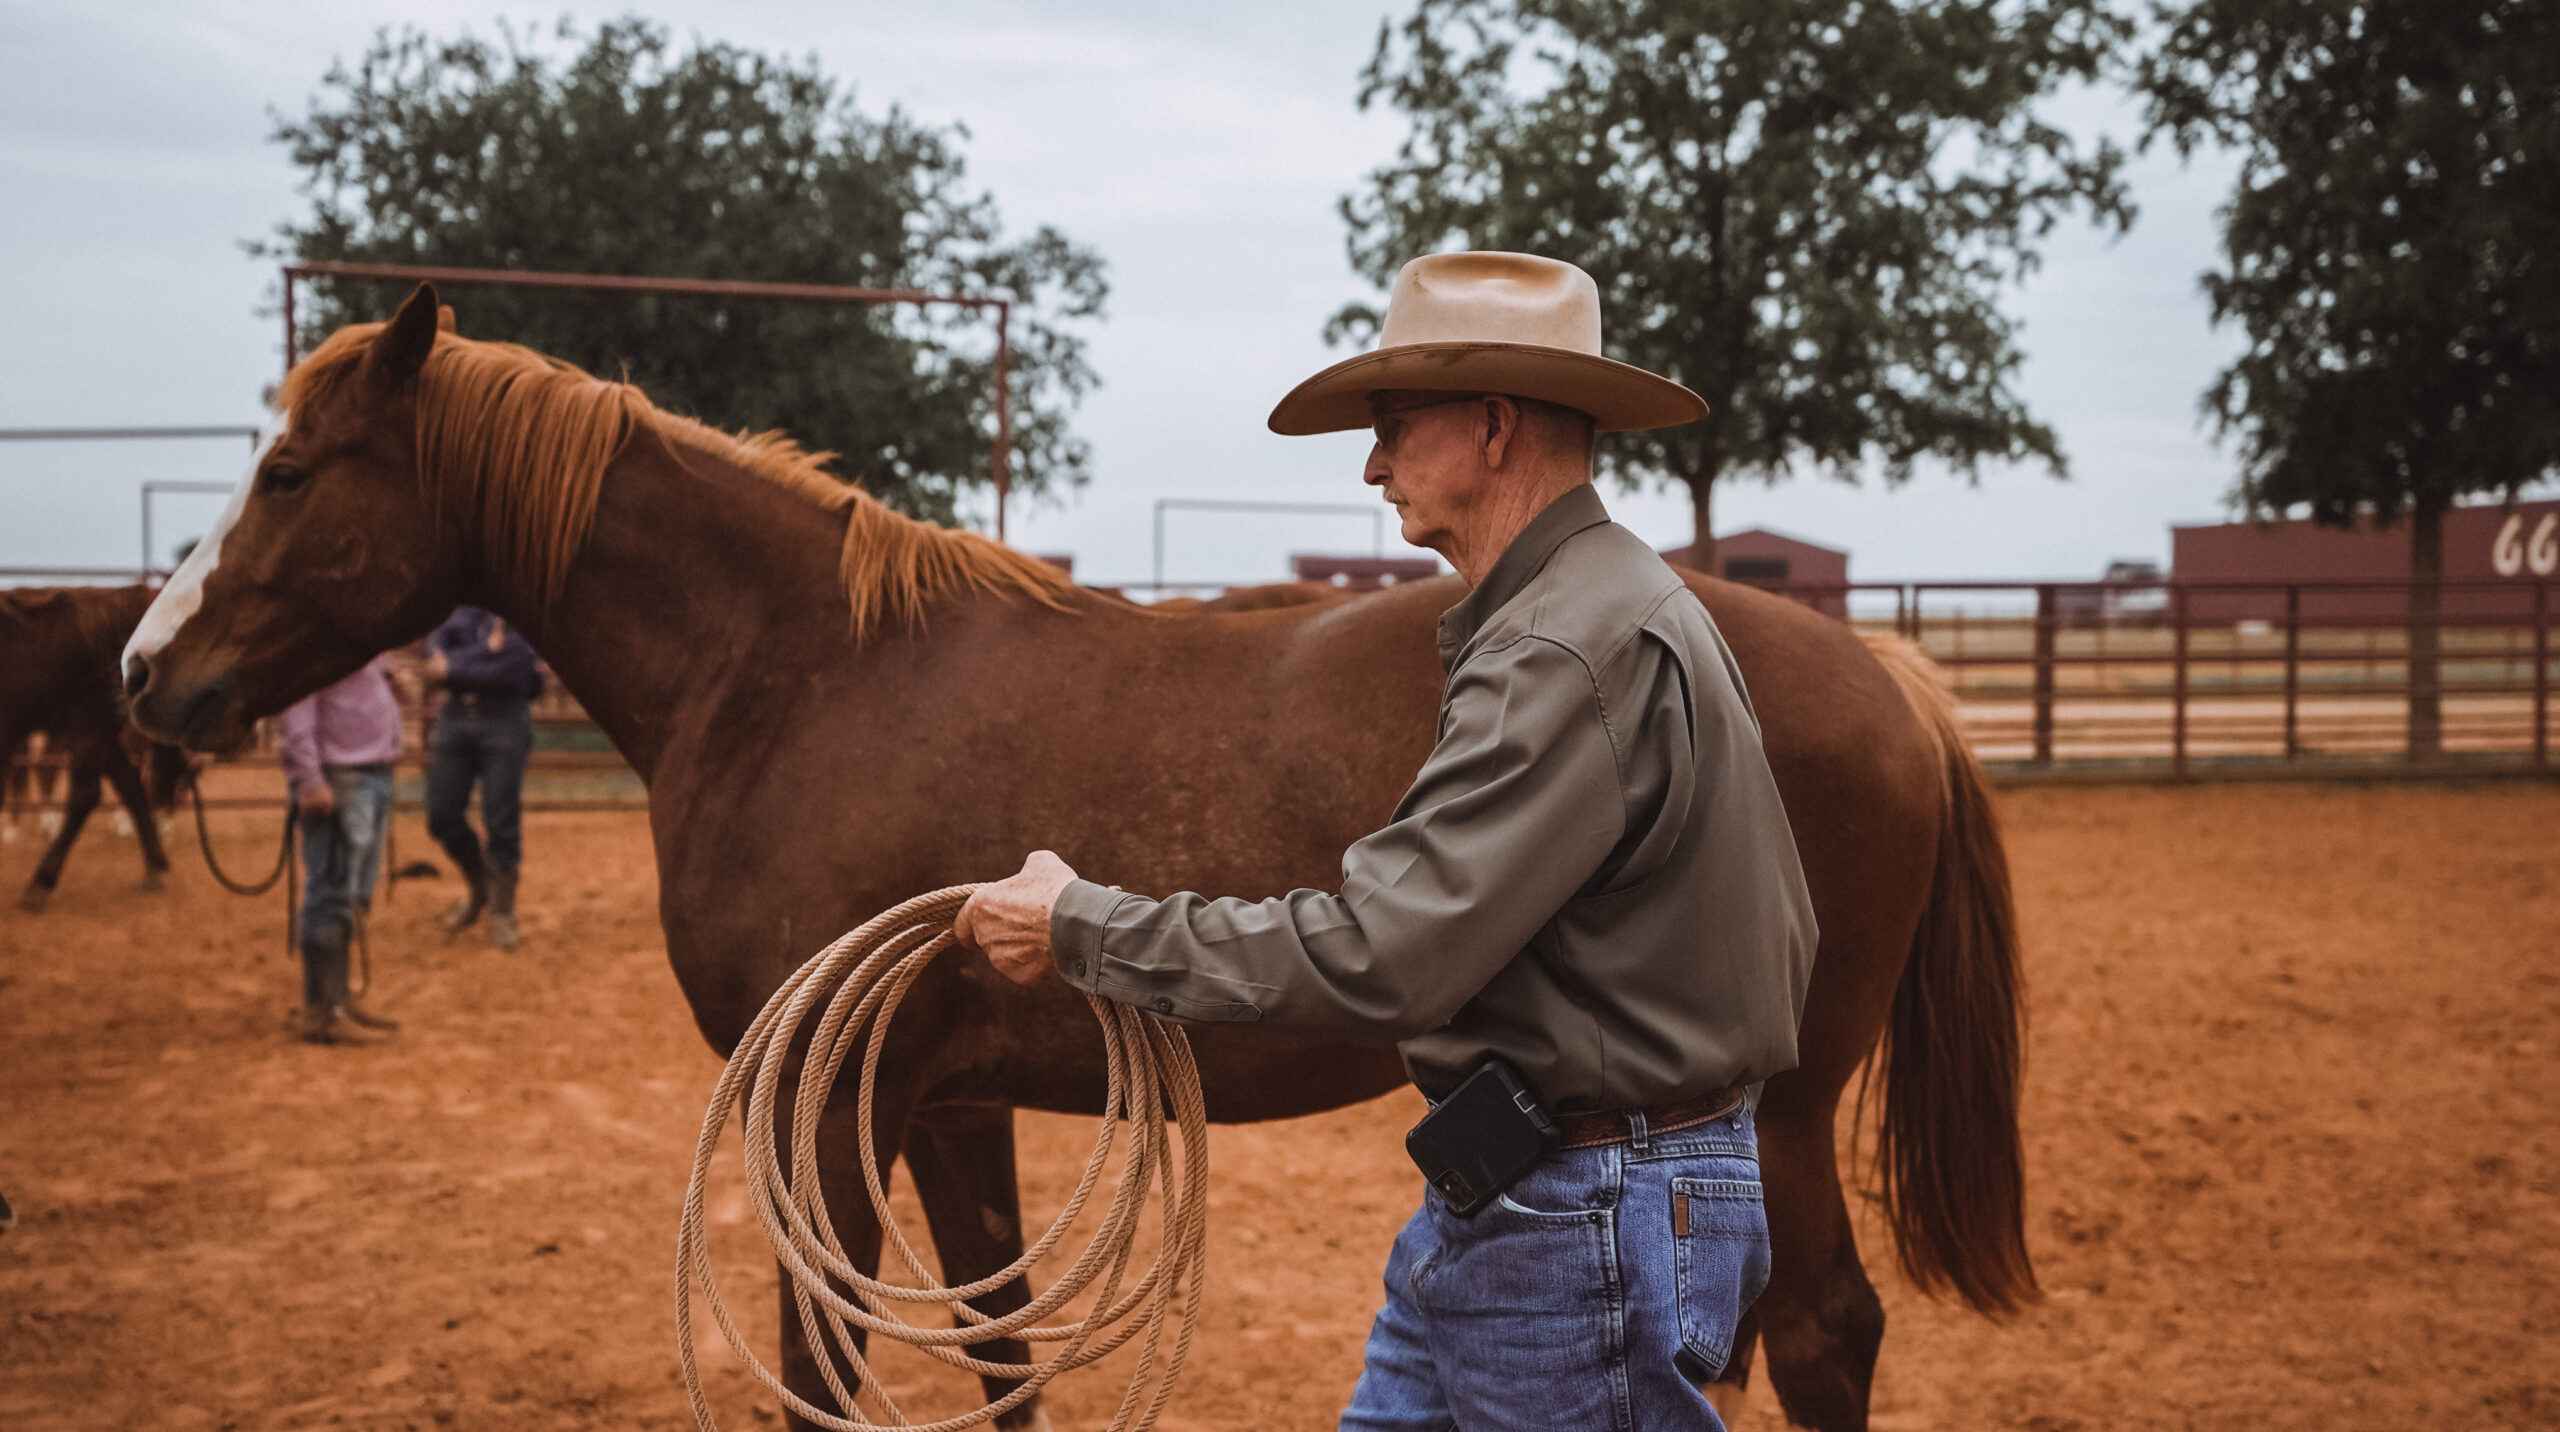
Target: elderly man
(1585,924)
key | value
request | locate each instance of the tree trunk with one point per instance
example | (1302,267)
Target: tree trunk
(2426,579)
(1702,532)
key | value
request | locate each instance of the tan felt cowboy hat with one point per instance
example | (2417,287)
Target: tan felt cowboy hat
(1490,323)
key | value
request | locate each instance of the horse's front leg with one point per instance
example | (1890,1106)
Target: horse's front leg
(857,1229)
(962,1159)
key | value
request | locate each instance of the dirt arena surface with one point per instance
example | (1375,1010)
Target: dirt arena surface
(2292,1146)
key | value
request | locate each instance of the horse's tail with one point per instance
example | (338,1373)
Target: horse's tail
(1947,1149)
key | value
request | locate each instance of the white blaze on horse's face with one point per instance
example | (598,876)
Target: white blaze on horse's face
(185,592)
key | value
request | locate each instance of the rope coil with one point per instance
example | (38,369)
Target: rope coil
(860,979)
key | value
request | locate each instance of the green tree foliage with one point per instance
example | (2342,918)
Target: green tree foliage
(2392,252)
(618,153)
(1803,209)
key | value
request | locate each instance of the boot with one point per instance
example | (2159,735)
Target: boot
(335,1025)
(324,1018)
(502,910)
(462,914)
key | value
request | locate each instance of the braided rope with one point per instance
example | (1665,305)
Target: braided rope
(861,978)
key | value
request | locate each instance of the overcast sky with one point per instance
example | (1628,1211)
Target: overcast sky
(1200,148)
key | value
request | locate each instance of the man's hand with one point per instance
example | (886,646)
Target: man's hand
(1008,920)
(437,667)
(315,799)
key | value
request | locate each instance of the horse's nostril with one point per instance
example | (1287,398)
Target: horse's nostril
(137,675)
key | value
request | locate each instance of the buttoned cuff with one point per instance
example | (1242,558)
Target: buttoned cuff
(1075,931)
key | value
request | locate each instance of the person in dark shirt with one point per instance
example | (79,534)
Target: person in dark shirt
(483,734)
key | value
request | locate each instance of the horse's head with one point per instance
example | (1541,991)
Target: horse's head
(327,554)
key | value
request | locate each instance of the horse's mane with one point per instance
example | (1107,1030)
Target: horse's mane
(513,445)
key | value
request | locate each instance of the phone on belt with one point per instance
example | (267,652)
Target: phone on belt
(1483,1137)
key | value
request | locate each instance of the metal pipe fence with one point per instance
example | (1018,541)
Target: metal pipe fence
(2068,680)
(2186,679)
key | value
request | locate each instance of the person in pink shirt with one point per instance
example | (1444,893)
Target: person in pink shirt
(338,745)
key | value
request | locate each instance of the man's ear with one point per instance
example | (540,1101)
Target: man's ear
(1501,428)
(401,351)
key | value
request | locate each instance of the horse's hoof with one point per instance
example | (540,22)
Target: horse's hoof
(32,899)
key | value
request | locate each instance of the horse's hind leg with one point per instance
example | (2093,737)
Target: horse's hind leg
(962,1159)
(137,802)
(75,813)
(1819,1320)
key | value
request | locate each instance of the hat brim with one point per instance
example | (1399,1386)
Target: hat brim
(1620,397)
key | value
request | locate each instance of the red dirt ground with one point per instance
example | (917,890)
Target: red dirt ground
(2290,1130)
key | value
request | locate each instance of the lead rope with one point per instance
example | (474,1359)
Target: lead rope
(861,978)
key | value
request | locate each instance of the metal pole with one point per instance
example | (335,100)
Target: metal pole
(2292,669)
(1003,464)
(2045,617)
(2178,691)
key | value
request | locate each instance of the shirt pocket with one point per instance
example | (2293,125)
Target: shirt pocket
(1720,1231)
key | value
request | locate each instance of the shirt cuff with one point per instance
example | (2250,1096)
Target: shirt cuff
(1076,924)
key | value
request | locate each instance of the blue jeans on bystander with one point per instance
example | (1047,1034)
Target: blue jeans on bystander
(341,856)
(487,747)
(1595,1296)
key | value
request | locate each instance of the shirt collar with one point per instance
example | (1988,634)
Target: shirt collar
(1577,510)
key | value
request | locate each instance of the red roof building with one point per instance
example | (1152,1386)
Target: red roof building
(1361,574)
(1764,558)
(2493,557)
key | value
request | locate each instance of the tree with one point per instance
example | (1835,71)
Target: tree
(626,156)
(2392,252)
(1805,210)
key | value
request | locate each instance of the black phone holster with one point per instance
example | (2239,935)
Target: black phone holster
(1483,1137)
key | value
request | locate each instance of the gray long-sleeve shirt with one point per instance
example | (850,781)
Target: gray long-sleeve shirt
(1591,876)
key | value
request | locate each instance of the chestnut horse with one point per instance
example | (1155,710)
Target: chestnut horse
(59,648)
(835,707)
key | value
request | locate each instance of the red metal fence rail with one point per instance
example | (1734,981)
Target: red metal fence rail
(2053,679)
(2229,678)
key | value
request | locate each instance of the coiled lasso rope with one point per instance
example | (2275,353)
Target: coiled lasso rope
(860,979)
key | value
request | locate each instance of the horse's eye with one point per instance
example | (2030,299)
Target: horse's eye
(283,477)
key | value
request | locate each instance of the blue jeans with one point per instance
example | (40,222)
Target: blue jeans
(1598,1293)
(341,856)
(488,747)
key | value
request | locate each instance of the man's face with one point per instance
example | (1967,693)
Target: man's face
(1427,459)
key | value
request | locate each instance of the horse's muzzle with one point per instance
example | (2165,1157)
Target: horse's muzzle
(197,717)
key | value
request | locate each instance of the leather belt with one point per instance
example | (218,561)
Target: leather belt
(1591,1131)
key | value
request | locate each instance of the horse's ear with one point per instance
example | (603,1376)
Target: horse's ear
(444,320)
(402,349)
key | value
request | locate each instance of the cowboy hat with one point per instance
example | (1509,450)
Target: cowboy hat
(1490,323)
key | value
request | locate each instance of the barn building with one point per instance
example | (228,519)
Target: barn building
(1772,559)
(1361,574)
(2494,556)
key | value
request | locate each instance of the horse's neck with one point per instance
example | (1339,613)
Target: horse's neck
(695,576)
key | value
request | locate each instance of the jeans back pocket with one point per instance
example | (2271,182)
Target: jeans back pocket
(1721,1231)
